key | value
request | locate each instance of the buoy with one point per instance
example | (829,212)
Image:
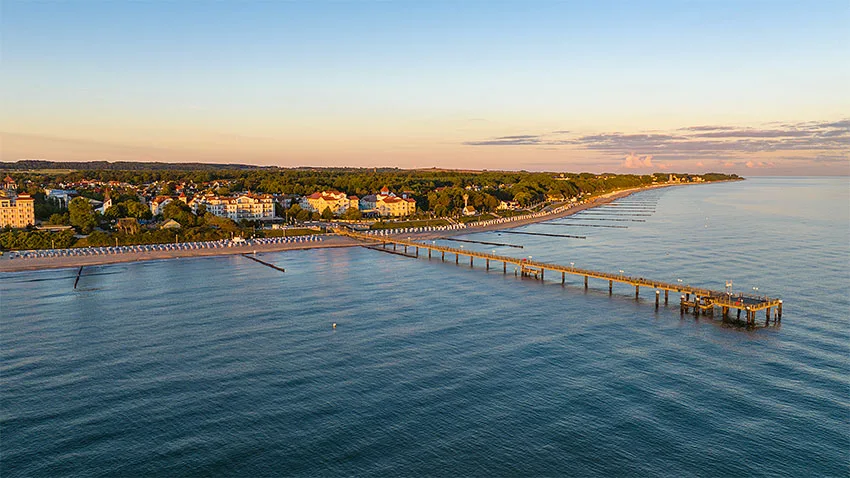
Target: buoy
(334,325)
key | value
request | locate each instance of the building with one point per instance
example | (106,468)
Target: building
(386,203)
(252,207)
(508,205)
(10,186)
(62,196)
(336,201)
(16,211)
(395,206)
(158,203)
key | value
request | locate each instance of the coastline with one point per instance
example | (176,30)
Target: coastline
(329,241)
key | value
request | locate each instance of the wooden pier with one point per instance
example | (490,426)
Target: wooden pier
(696,300)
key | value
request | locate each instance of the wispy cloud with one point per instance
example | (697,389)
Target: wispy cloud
(827,139)
(518,140)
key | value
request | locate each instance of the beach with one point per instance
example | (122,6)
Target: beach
(330,240)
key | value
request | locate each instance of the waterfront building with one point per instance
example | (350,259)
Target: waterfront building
(16,211)
(386,203)
(244,206)
(336,201)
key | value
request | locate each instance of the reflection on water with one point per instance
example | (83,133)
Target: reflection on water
(225,366)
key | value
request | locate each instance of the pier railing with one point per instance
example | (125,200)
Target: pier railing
(703,299)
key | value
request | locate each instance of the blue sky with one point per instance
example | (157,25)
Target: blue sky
(421,84)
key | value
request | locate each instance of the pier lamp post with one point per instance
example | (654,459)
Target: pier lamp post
(572,265)
(621,272)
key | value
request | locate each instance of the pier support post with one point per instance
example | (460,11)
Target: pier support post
(682,306)
(610,286)
(470,261)
(739,314)
(457,258)
(666,292)
(504,267)
(657,297)
(541,273)
(779,311)
(488,264)
(429,254)
(405,248)
(563,277)
(767,317)
(443,256)
(637,292)
(585,282)
(417,251)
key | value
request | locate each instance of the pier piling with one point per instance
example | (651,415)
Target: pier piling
(703,301)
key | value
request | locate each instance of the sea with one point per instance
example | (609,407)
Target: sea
(221,366)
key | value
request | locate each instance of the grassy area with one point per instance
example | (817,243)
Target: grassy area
(400,224)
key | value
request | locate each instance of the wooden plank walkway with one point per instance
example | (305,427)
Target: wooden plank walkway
(692,299)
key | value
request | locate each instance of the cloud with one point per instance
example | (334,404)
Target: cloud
(759,164)
(700,164)
(633,161)
(518,140)
(706,142)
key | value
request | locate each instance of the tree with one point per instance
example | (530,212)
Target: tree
(82,215)
(327,214)
(137,210)
(352,213)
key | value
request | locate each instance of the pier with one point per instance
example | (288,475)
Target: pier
(695,300)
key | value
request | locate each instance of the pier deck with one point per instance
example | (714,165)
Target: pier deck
(692,299)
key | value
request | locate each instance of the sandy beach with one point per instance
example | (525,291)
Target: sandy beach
(19,264)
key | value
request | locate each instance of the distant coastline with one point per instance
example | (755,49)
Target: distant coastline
(329,241)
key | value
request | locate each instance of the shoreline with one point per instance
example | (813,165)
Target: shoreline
(329,241)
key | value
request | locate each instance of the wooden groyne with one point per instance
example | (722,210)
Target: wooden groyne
(580,225)
(543,234)
(692,299)
(77,280)
(500,244)
(263,262)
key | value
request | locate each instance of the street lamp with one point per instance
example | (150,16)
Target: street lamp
(621,272)
(572,265)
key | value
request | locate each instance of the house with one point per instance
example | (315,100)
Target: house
(508,205)
(9,185)
(170,224)
(158,203)
(16,211)
(469,211)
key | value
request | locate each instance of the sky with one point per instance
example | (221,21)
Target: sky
(746,86)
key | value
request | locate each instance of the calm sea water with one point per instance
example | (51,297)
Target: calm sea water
(221,366)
